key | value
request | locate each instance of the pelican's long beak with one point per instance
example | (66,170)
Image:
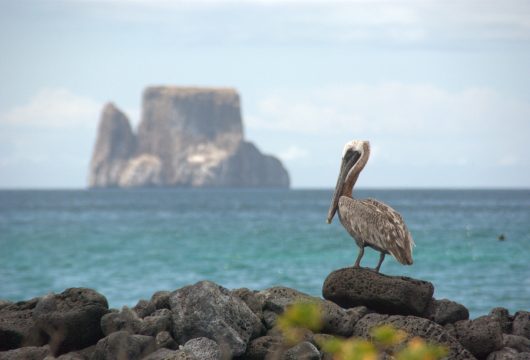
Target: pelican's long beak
(347,163)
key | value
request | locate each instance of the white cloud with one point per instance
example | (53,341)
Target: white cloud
(54,108)
(417,124)
(293,152)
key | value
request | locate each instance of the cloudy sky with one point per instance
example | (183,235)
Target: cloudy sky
(440,88)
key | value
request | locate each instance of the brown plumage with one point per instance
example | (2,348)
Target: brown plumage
(370,222)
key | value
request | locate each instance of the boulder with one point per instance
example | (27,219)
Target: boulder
(414,326)
(480,336)
(446,312)
(164,340)
(209,310)
(519,343)
(335,320)
(259,348)
(144,308)
(521,324)
(166,354)
(158,321)
(123,345)
(126,320)
(26,353)
(160,299)
(252,299)
(507,354)
(302,351)
(17,327)
(203,348)
(71,319)
(503,317)
(350,287)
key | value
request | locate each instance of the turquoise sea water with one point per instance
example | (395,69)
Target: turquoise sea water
(127,244)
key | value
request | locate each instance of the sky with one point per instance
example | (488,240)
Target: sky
(441,89)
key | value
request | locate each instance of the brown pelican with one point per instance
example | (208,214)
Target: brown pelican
(370,222)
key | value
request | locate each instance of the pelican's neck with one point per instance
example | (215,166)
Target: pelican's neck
(355,171)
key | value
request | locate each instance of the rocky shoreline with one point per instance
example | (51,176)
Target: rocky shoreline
(207,321)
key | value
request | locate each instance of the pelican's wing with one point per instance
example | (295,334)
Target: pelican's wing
(382,227)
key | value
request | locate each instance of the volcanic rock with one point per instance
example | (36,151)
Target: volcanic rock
(335,320)
(209,310)
(503,317)
(17,327)
(414,326)
(302,351)
(165,340)
(26,353)
(187,137)
(519,343)
(158,321)
(350,287)
(259,348)
(203,348)
(126,320)
(71,319)
(123,345)
(446,312)
(521,324)
(508,354)
(480,336)
(166,354)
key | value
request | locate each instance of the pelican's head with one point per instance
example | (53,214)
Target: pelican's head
(351,154)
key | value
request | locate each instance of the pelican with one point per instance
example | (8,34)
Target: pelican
(370,222)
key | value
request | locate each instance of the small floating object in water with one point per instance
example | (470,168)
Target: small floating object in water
(501,237)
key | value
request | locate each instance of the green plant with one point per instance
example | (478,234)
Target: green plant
(303,316)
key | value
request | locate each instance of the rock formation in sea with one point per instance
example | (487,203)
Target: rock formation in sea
(187,137)
(207,321)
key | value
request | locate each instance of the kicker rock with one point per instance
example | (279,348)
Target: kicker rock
(187,137)
(115,144)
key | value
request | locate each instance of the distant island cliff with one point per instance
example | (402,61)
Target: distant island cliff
(187,137)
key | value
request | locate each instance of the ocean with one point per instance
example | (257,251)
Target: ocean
(127,244)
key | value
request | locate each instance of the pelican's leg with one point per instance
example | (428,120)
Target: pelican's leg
(358,261)
(381,258)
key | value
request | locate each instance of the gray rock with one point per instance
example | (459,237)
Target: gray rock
(166,354)
(259,348)
(203,348)
(158,321)
(269,318)
(519,343)
(414,326)
(209,310)
(335,319)
(71,319)
(357,313)
(521,324)
(115,145)
(122,345)
(446,312)
(144,308)
(126,320)
(160,299)
(17,327)
(187,137)
(4,303)
(350,287)
(504,354)
(83,354)
(26,353)
(302,351)
(165,340)
(480,336)
(503,317)
(252,299)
